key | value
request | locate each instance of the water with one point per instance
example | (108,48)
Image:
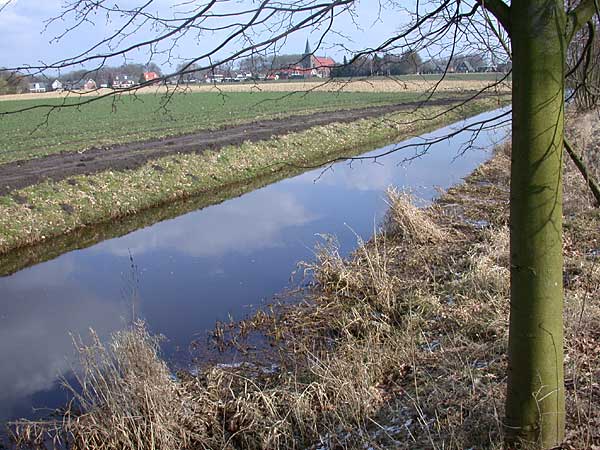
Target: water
(202,266)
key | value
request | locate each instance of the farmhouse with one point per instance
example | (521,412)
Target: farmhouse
(149,76)
(465,67)
(122,82)
(322,66)
(90,85)
(37,87)
(57,85)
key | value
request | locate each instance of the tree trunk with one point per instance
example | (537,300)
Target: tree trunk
(535,412)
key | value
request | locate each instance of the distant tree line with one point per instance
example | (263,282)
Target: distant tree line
(12,83)
(373,65)
(410,62)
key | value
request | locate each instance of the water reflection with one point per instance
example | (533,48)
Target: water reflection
(199,267)
(237,226)
(40,307)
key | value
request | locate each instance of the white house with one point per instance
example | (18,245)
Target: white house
(37,87)
(57,85)
(122,82)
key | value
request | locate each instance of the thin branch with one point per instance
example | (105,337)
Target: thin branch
(594,188)
(579,16)
(500,10)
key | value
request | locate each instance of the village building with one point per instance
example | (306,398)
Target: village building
(57,85)
(149,76)
(486,68)
(122,82)
(310,66)
(37,87)
(465,67)
(316,66)
(90,85)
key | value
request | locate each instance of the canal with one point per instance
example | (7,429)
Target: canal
(182,274)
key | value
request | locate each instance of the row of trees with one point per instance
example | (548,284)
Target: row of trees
(12,82)
(410,62)
(372,65)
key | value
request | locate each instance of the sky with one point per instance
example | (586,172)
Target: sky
(24,41)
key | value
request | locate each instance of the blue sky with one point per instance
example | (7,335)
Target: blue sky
(24,41)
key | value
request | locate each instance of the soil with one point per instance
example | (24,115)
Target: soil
(20,174)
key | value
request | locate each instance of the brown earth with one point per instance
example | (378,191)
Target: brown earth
(20,174)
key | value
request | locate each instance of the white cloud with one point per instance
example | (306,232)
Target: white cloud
(35,345)
(253,221)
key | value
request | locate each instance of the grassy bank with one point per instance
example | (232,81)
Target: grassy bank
(87,236)
(132,118)
(51,209)
(401,345)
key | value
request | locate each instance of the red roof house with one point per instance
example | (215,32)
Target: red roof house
(323,65)
(149,76)
(90,85)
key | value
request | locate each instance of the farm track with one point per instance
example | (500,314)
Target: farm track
(21,174)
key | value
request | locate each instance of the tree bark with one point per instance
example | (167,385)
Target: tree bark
(535,414)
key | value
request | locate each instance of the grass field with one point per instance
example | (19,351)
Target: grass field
(130,118)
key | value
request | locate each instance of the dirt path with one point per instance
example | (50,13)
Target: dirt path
(20,174)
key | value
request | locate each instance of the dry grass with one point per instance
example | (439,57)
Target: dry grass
(409,222)
(124,398)
(401,345)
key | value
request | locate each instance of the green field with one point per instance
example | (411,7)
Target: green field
(134,118)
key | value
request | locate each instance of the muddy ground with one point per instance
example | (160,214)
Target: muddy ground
(20,174)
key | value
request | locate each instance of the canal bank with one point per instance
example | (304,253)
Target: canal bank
(50,209)
(184,273)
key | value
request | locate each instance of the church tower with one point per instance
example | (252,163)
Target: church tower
(307,60)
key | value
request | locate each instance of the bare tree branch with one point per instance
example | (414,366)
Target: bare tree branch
(579,16)
(500,10)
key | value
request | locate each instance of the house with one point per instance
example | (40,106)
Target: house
(216,78)
(90,85)
(37,87)
(57,85)
(309,66)
(322,66)
(432,67)
(465,67)
(122,82)
(149,76)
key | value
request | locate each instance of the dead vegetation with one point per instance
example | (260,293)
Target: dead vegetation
(401,345)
